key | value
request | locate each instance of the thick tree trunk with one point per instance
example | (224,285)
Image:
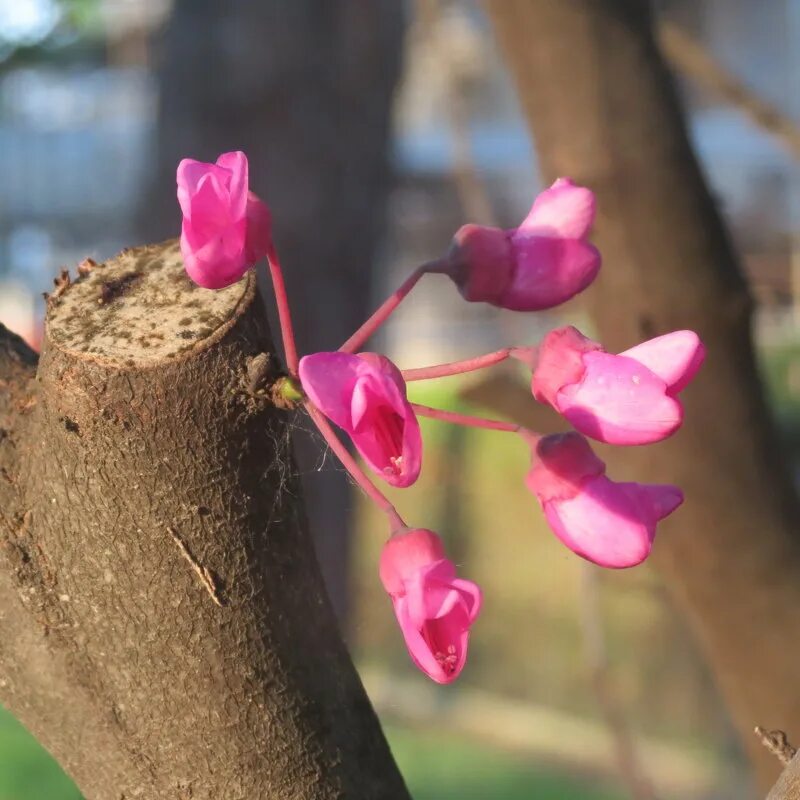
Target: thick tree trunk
(305,88)
(604,111)
(164,630)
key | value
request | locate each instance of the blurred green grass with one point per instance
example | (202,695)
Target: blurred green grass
(435,768)
(27,772)
(438,768)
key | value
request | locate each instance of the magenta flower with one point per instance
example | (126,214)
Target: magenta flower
(434,608)
(365,395)
(540,264)
(226,228)
(626,399)
(611,524)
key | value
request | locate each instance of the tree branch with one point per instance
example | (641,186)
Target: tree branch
(613,121)
(110,651)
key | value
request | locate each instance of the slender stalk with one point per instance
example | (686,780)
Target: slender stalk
(351,465)
(466,419)
(457,367)
(284,312)
(384,311)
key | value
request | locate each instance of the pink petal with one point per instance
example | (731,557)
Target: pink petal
(417,647)
(559,362)
(662,500)
(215,264)
(189,174)
(619,401)
(564,210)
(674,357)
(259,229)
(238,179)
(603,524)
(365,396)
(385,429)
(328,380)
(562,464)
(406,552)
(548,271)
(472,594)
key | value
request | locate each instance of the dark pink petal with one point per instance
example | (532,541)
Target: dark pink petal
(675,357)
(259,229)
(564,210)
(548,271)
(559,362)
(562,464)
(481,263)
(365,396)
(662,500)
(418,648)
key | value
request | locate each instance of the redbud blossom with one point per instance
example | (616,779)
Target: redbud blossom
(540,264)
(365,395)
(625,399)
(434,608)
(611,524)
(226,228)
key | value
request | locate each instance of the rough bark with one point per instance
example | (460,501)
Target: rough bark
(164,630)
(305,88)
(603,110)
(788,784)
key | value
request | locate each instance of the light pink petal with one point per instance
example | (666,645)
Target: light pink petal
(603,524)
(328,380)
(259,229)
(548,271)
(620,401)
(406,552)
(238,181)
(674,357)
(564,210)
(189,174)
(473,596)
(210,218)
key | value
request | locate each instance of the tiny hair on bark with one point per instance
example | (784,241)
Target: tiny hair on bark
(164,630)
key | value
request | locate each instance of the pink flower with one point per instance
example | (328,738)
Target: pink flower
(626,399)
(611,524)
(226,228)
(540,264)
(365,395)
(434,608)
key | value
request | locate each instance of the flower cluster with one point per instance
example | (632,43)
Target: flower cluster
(631,398)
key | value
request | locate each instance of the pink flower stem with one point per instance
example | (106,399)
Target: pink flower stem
(284,312)
(473,422)
(457,367)
(351,465)
(384,311)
